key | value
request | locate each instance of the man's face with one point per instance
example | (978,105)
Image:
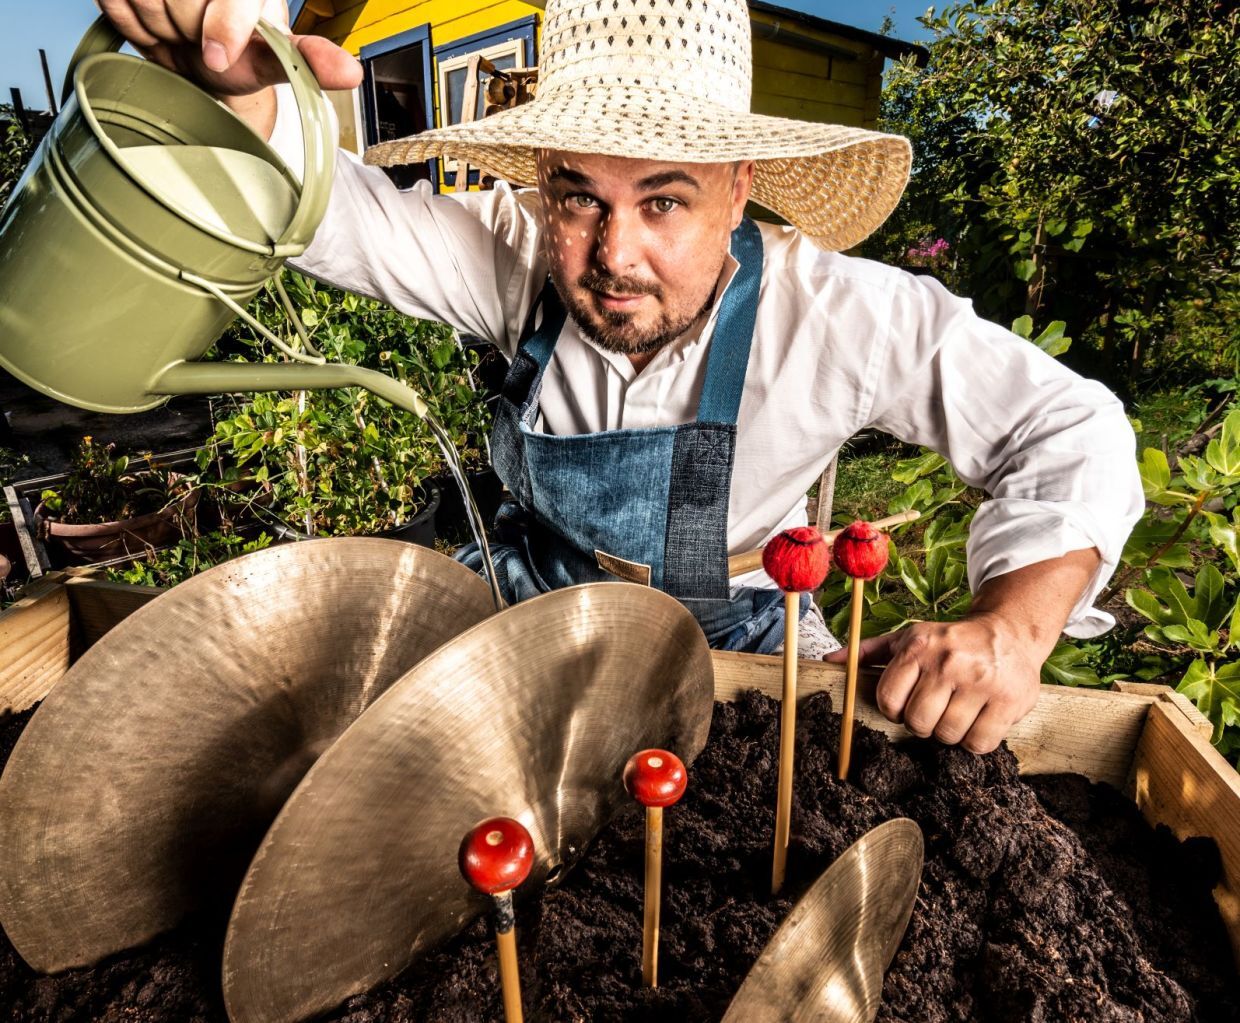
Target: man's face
(637,246)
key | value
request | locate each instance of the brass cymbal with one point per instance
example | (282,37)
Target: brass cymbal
(827,960)
(144,783)
(532,714)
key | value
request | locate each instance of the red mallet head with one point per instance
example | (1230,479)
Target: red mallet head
(655,777)
(861,550)
(497,855)
(798,559)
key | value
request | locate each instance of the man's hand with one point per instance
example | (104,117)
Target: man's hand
(970,681)
(212,42)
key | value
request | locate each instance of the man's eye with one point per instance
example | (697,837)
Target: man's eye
(663,204)
(582,202)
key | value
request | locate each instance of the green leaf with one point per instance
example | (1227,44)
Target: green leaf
(914,581)
(1149,536)
(1052,340)
(1155,473)
(1068,665)
(1215,690)
(1023,327)
(1223,452)
(1224,535)
(908,470)
(1208,596)
(1024,269)
(1145,603)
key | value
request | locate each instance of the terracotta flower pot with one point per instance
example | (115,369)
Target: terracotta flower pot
(103,541)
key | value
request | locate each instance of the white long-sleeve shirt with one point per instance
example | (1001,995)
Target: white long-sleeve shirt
(840,344)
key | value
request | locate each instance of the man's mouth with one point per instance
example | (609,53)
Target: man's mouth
(618,302)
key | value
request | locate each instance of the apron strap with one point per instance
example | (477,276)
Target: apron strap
(540,344)
(738,313)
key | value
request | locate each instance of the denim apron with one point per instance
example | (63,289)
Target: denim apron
(648,505)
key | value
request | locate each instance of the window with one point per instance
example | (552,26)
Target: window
(396,96)
(507,47)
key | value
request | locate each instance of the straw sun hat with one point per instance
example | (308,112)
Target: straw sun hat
(672,80)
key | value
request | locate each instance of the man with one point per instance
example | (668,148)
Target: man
(680,375)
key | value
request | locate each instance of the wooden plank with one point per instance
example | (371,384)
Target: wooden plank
(1075,730)
(1165,694)
(785,85)
(34,645)
(98,606)
(1183,782)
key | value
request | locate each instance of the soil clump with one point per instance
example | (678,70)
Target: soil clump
(1048,902)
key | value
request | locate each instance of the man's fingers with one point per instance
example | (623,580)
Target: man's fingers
(992,724)
(126,22)
(958,718)
(875,650)
(896,684)
(333,67)
(926,705)
(227,26)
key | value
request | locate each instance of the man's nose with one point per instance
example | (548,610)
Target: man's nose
(618,243)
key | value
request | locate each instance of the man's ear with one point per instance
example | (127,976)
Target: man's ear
(741,187)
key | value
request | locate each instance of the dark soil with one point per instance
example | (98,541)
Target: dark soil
(1047,903)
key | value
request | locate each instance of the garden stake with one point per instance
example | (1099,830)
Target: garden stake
(495,858)
(655,778)
(798,560)
(861,552)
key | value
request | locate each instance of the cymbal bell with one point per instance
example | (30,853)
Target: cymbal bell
(826,962)
(145,781)
(532,714)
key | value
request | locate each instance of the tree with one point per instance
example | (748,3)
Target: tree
(16,149)
(1083,159)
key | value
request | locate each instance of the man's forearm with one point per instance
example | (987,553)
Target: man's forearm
(1037,599)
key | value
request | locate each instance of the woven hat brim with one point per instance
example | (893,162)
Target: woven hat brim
(836,183)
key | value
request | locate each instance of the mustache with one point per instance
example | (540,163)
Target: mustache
(595,280)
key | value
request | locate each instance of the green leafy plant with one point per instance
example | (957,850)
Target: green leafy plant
(16,148)
(101,487)
(343,461)
(190,556)
(1080,160)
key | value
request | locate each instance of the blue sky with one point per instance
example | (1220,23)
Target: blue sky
(57,25)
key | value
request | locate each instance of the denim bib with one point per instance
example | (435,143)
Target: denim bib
(649,505)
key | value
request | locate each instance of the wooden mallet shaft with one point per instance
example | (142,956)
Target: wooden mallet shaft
(850,685)
(656,778)
(506,944)
(654,896)
(787,741)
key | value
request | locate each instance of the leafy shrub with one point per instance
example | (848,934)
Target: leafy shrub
(189,557)
(344,461)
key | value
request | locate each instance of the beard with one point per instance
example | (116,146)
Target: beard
(618,332)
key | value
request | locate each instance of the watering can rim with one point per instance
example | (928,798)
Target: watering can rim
(101,42)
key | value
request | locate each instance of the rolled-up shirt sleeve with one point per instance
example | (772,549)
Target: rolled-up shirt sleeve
(473,260)
(1054,451)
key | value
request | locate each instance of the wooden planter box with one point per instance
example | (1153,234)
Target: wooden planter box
(22,497)
(1143,739)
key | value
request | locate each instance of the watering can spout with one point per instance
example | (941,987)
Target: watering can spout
(233,377)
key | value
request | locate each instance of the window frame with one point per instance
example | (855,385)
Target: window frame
(498,41)
(421,35)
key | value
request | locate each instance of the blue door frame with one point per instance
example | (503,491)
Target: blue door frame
(412,37)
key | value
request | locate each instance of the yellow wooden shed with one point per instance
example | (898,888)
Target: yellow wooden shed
(415,54)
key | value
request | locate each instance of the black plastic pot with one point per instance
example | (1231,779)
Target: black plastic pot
(421,528)
(450,522)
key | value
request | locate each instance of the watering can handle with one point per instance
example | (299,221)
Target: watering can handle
(101,37)
(320,147)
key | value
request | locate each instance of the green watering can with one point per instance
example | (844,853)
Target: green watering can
(148,217)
